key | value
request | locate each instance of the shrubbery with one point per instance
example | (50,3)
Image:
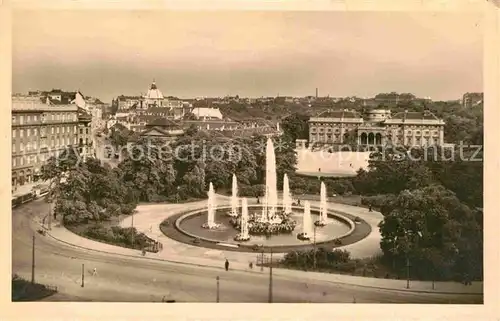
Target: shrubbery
(324,259)
(255,227)
(251,190)
(377,201)
(125,237)
(301,184)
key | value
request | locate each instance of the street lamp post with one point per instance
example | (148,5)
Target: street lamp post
(271,278)
(407,272)
(50,215)
(217,299)
(33,261)
(83,275)
(314,247)
(132,230)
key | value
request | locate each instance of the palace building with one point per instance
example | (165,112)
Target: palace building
(376,127)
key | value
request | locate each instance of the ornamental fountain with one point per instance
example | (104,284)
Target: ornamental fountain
(243,235)
(306,223)
(234,198)
(323,207)
(287,197)
(271,193)
(211,207)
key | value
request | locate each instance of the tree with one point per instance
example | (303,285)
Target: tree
(150,169)
(120,135)
(437,232)
(295,126)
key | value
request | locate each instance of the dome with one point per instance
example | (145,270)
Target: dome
(154,92)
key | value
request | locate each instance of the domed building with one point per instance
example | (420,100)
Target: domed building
(154,97)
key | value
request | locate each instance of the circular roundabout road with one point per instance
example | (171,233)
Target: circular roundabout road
(143,279)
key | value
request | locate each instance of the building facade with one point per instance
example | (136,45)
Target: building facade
(85,137)
(377,127)
(39,131)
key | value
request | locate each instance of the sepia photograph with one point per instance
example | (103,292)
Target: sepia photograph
(247,156)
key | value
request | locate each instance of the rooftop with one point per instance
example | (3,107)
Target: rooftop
(164,123)
(37,105)
(415,115)
(338,114)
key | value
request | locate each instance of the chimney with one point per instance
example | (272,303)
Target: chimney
(316,93)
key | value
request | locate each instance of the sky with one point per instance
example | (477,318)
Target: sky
(251,54)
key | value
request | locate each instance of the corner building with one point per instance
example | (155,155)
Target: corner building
(39,131)
(377,127)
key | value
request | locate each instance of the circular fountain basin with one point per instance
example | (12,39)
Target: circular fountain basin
(186,228)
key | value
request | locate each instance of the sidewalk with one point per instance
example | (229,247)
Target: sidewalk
(63,235)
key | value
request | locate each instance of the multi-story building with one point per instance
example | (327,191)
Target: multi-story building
(124,103)
(472,99)
(376,127)
(39,130)
(85,141)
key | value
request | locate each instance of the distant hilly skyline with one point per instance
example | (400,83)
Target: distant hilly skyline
(250,54)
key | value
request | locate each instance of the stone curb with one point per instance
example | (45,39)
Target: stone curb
(256,272)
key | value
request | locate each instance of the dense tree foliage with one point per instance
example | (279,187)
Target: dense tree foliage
(459,169)
(296,126)
(120,135)
(154,171)
(87,191)
(440,236)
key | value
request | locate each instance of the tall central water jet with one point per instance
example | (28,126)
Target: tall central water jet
(234,198)
(211,207)
(271,196)
(323,209)
(287,198)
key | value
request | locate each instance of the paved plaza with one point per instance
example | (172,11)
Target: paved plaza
(331,164)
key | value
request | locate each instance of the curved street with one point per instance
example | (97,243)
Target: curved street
(138,279)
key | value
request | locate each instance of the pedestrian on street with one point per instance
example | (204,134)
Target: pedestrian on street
(94,273)
(226,265)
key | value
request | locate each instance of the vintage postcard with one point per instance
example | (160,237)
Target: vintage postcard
(166,155)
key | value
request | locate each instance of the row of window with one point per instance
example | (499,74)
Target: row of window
(28,160)
(313,127)
(417,141)
(344,125)
(53,130)
(33,146)
(33,159)
(27,119)
(409,132)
